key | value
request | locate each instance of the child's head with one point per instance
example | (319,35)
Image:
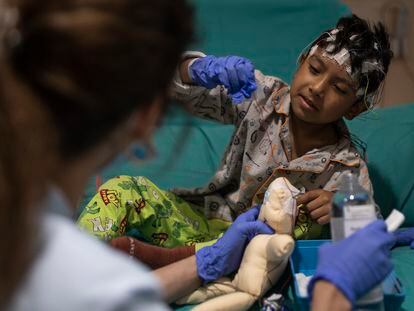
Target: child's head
(342,72)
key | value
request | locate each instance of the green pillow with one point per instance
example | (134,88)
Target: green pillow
(389,135)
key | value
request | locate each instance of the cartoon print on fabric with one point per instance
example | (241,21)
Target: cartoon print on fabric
(195,239)
(306,228)
(110,196)
(155,194)
(303,221)
(159,238)
(114,227)
(137,205)
(177,229)
(163,210)
(98,226)
(94,209)
(122,226)
(264,145)
(195,224)
(214,206)
(133,184)
(171,196)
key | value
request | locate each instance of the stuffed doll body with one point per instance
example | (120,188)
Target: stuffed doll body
(264,259)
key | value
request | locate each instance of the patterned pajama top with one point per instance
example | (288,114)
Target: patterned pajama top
(260,149)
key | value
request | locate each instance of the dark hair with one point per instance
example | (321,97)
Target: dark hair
(367,43)
(24,167)
(88,64)
(92,62)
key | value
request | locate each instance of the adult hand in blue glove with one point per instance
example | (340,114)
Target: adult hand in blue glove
(235,73)
(358,263)
(405,237)
(224,256)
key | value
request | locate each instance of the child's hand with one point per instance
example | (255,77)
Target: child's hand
(233,72)
(318,203)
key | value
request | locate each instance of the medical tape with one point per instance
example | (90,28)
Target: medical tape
(394,220)
(343,59)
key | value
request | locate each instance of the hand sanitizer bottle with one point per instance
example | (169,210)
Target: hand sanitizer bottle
(352,209)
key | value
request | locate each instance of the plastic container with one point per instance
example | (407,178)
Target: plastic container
(352,209)
(304,259)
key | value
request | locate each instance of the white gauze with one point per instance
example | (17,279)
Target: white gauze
(289,205)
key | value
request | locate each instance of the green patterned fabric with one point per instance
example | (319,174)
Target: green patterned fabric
(164,219)
(308,229)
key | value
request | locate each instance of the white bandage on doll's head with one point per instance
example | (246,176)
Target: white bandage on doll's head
(343,59)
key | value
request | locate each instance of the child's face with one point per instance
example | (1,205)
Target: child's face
(322,91)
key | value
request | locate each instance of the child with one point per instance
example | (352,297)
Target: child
(295,132)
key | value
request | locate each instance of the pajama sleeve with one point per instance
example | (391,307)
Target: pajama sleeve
(215,104)
(361,171)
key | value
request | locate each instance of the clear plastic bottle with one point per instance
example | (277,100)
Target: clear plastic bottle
(352,209)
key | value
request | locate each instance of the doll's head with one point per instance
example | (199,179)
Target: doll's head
(342,72)
(279,206)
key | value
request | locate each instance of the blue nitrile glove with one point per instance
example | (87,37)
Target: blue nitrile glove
(224,256)
(358,263)
(405,237)
(235,73)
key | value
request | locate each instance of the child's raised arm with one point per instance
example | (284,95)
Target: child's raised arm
(235,73)
(219,88)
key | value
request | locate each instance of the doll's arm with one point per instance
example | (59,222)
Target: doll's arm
(220,287)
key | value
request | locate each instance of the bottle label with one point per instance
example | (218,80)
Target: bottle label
(357,217)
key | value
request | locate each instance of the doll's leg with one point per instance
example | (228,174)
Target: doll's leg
(221,287)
